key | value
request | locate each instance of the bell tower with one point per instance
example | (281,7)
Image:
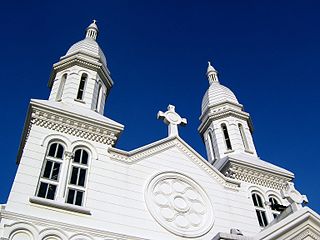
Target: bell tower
(226,128)
(81,77)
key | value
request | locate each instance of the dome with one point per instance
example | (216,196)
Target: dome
(216,94)
(89,46)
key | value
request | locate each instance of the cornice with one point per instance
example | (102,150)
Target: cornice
(82,59)
(65,226)
(167,143)
(255,176)
(68,123)
(216,115)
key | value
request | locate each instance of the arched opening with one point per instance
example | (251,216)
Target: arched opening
(82,84)
(226,136)
(243,137)
(77,177)
(211,147)
(61,87)
(49,178)
(260,209)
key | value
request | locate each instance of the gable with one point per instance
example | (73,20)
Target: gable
(145,152)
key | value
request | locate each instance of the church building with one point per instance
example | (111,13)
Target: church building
(73,183)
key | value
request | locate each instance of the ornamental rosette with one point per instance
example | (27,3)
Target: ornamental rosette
(179,204)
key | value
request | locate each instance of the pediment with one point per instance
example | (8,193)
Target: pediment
(142,153)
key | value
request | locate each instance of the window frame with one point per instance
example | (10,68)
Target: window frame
(211,147)
(49,181)
(261,211)
(83,78)
(76,187)
(226,136)
(243,137)
(61,87)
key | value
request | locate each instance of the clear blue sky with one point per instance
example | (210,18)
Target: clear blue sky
(157,51)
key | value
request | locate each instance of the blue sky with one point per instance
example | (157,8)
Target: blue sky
(157,51)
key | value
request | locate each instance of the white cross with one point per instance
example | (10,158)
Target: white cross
(172,119)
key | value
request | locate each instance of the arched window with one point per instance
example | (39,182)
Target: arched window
(226,136)
(82,84)
(243,137)
(211,147)
(260,209)
(49,178)
(99,98)
(61,87)
(77,177)
(274,203)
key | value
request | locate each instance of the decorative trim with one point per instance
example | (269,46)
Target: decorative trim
(70,125)
(307,233)
(167,143)
(255,176)
(63,206)
(179,204)
(82,59)
(36,221)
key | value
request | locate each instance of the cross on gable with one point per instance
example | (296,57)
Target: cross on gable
(172,119)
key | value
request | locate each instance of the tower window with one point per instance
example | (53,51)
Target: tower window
(82,84)
(260,209)
(211,147)
(243,137)
(99,98)
(274,202)
(226,136)
(61,87)
(49,178)
(77,178)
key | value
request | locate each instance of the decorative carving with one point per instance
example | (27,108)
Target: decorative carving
(255,176)
(72,126)
(179,204)
(307,233)
(292,195)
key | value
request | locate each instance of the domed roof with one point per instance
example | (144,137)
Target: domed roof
(216,94)
(89,46)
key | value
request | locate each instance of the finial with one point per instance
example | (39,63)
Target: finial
(172,119)
(212,74)
(92,30)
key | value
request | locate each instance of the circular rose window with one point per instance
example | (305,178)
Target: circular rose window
(179,204)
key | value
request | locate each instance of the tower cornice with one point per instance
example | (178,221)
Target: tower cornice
(221,111)
(84,60)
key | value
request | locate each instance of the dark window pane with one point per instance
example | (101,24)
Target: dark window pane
(74,175)
(51,191)
(47,169)
(70,196)
(60,151)
(264,217)
(260,204)
(259,218)
(77,156)
(55,171)
(254,198)
(52,150)
(42,189)
(84,157)
(79,198)
(82,177)
(275,215)
(81,86)
(226,136)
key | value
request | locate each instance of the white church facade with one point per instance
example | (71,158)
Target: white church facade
(73,182)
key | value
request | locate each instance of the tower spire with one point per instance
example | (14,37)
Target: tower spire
(212,74)
(92,30)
